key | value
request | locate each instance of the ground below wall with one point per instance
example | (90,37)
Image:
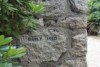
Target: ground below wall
(93,55)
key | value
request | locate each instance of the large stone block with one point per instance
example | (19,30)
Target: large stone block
(73,22)
(79,31)
(77,22)
(57,7)
(46,44)
(78,6)
(74,63)
(79,45)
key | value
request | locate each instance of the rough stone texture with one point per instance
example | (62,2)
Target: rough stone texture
(61,39)
(79,45)
(74,63)
(69,22)
(46,50)
(78,6)
(79,31)
(57,8)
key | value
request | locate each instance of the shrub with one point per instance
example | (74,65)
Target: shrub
(8,52)
(93,16)
(18,16)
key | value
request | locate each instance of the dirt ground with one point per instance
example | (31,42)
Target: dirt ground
(93,54)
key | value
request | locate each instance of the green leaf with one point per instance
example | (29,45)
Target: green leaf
(15,52)
(5,1)
(1,37)
(5,41)
(37,8)
(4,48)
(19,1)
(5,64)
(18,56)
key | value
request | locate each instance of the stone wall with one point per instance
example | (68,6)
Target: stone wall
(61,39)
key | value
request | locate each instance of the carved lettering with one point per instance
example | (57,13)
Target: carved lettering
(39,38)
(52,38)
(34,38)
